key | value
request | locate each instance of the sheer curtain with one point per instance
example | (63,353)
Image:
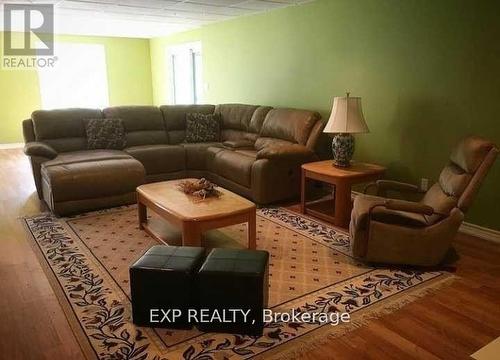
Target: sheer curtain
(185,62)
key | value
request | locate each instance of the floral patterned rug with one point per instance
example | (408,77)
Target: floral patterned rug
(310,270)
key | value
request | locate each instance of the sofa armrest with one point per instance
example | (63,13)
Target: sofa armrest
(383,186)
(36,148)
(288,152)
(239,144)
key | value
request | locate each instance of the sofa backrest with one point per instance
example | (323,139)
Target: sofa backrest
(174,117)
(63,129)
(149,125)
(240,121)
(143,124)
(288,126)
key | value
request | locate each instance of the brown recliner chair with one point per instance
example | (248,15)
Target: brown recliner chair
(395,231)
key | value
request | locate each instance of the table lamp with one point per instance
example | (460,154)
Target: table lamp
(346,119)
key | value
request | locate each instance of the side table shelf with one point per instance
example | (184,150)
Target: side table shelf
(342,179)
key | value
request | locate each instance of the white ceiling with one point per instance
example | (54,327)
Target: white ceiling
(147,18)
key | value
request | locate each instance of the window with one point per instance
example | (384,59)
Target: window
(185,62)
(78,78)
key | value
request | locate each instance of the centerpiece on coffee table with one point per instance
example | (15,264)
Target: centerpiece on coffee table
(201,188)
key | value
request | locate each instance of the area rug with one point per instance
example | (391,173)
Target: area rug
(310,270)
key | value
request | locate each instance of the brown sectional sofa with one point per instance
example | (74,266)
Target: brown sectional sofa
(259,155)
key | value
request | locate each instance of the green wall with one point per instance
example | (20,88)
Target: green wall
(129,82)
(427,71)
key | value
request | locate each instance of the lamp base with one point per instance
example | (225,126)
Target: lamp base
(342,149)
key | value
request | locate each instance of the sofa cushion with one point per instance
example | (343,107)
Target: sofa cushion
(289,124)
(233,166)
(105,134)
(296,153)
(86,155)
(247,152)
(143,124)
(196,154)
(238,135)
(202,128)
(93,179)
(91,174)
(236,116)
(263,142)
(211,154)
(159,159)
(174,117)
(238,144)
(63,129)
(240,124)
(258,118)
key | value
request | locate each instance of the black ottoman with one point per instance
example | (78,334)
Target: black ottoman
(162,286)
(231,280)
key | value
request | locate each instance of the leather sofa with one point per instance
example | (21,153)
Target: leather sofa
(259,155)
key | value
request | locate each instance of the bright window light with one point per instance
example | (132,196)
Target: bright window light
(78,78)
(185,62)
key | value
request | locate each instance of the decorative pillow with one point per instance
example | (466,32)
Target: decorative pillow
(202,127)
(105,134)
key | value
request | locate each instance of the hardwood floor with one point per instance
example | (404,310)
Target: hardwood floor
(451,324)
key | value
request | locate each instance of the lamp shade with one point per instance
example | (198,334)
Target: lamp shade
(347,116)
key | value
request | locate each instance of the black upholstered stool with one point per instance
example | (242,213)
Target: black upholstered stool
(232,280)
(164,279)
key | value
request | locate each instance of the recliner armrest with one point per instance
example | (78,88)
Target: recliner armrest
(384,185)
(288,152)
(36,148)
(405,211)
(409,206)
(239,144)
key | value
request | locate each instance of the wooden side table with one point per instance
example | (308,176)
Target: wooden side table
(342,179)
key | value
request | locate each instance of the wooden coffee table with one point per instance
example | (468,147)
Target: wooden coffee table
(194,216)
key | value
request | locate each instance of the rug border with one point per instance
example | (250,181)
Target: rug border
(81,338)
(312,218)
(325,333)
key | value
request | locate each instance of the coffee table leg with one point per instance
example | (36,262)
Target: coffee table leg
(143,214)
(251,230)
(191,235)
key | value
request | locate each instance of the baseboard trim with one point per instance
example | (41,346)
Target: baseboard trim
(480,232)
(11,146)
(471,229)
